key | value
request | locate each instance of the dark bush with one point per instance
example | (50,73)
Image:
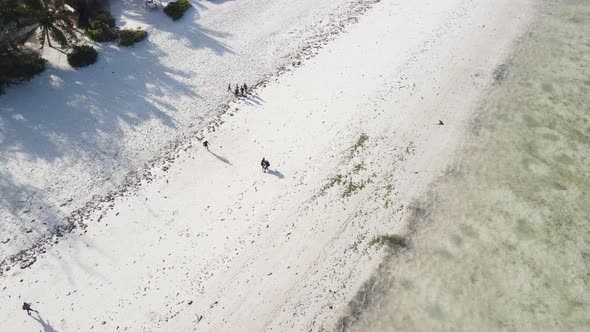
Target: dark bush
(18,64)
(86,11)
(104,16)
(82,56)
(130,37)
(177,8)
(102,27)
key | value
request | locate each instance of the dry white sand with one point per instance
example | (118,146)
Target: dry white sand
(70,137)
(212,243)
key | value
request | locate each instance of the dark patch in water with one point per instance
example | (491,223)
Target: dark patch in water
(420,211)
(435,312)
(547,87)
(477,123)
(444,253)
(469,231)
(559,186)
(523,230)
(500,73)
(550,137)
(406,283)
(456,239)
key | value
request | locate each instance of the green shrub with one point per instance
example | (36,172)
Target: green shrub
(82,55)
(102,27)
(177,8)
(130,37)
(105,17)
(18,64)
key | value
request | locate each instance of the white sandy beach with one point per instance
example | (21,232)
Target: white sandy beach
(207,241)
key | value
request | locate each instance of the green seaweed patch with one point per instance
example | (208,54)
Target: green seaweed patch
(358,145)
(333,181)
(352,187)
(359,239)
(392,241)
(358,167)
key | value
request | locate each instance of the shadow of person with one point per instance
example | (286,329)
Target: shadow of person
(45,324)
(223,159)
(276,173)
(257,99)
(252,99)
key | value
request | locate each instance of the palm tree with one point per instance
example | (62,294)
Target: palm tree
(50,19)
(85,8)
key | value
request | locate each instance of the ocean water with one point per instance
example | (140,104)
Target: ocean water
(502,242)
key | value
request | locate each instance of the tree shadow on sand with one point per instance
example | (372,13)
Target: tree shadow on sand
(83,117)
(86,114)
(186,30)
(45,324)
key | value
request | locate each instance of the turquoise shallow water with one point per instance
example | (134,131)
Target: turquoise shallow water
(503,241)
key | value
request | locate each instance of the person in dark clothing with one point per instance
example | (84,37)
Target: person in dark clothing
(206,145)
(229,87)
(265,165)
(27,307)
(242,92)
(237,91)
(245,88)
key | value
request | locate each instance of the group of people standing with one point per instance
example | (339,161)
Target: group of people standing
(239,91)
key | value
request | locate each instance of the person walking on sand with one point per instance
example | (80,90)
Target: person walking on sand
(229,87)
(27,307)
(242,92)
(206,145)
(237,91)
(245,89)
(265,165)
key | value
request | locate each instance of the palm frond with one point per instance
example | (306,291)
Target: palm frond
(58,36)
(41,37)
